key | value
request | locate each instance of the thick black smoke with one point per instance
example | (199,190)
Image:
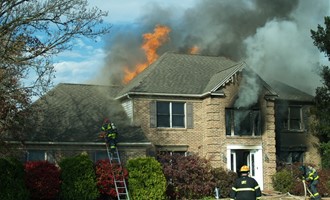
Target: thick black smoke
(273,37)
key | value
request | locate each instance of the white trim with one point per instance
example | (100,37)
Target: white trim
(170,95)
(258,158)
(77,143)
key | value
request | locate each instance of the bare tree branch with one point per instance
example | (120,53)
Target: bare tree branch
(31,33)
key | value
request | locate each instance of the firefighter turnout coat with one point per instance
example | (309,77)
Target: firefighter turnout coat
(245,188)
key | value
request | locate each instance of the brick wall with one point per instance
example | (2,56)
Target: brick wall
(208,137)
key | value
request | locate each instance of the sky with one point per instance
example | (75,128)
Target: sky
(273,37)
(86,59)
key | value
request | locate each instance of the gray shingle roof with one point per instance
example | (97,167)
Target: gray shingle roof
(184,74)
(175,73)
(75,112)
(289,93)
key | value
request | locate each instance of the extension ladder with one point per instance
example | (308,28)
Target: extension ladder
(119,181)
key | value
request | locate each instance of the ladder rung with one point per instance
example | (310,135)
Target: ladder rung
(114,158)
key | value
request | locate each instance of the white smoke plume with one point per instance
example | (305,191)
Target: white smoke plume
(273,37)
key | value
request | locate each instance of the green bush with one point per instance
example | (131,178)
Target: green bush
(78,178)
(12,184)
(224,179)
(325,155)
(146,179)
(297,185)
(283,181)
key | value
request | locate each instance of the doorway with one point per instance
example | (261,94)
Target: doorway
(246,155)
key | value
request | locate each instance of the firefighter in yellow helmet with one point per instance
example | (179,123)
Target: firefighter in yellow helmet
(245,187)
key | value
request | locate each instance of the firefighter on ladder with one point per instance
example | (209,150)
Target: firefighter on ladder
(245,187)
(110,134)
(309,174)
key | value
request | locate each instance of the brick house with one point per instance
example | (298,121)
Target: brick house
(218,109)
(187,104)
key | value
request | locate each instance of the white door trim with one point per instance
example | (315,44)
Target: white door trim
(258,158)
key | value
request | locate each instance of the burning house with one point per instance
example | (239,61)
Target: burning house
(185,104)
(216,108)
(197,99)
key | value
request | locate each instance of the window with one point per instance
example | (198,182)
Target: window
(36,155)
(39,155)
(100,155)
(170,114)
(292,118)
(242,122)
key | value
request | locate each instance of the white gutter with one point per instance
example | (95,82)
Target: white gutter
(78,143)
(170,95)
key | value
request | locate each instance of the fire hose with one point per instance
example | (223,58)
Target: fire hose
(306,189)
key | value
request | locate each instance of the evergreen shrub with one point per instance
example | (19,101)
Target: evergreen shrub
(78,178)
(146,179)
(12,186)
(283,181)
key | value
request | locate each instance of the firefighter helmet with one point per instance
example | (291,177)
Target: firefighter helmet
(106,120)
(245,168)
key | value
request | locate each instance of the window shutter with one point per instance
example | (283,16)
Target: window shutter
(228,120)
(153,115)
(190,113)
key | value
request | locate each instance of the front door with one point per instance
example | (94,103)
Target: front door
(251,156)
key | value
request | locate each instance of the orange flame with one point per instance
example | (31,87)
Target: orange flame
(194,50)
(151,42)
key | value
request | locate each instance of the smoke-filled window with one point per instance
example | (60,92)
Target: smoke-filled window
(242,122)
(170,114)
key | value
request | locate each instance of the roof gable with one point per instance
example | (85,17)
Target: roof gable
(181,74)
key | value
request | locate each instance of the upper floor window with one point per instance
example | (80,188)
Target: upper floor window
(242,122)
(292,118)
(171,114)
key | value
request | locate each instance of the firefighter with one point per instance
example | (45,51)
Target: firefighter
(245,187)
(309,175)
(110,131)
